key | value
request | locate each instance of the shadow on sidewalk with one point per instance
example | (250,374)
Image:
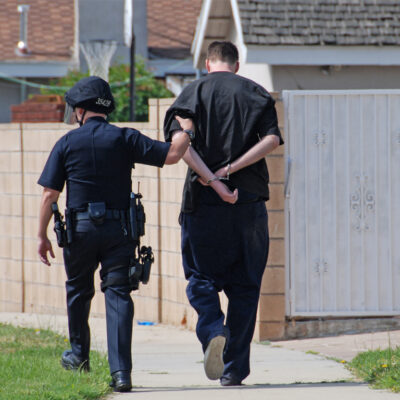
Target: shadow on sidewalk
(139,389)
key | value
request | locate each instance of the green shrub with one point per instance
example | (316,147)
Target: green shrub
(147,86)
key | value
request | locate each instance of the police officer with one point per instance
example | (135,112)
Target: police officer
(96,160)
(225,235)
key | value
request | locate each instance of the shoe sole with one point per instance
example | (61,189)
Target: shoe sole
(213,362)
(122,388)
(72,367)
(230,383)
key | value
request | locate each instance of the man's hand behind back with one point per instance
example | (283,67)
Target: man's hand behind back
(223,192)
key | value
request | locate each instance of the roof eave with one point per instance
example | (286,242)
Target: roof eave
(323,55)
(200,32)
(239,30)
(36,69)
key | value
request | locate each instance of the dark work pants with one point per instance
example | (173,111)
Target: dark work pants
(225,247)
(93,244)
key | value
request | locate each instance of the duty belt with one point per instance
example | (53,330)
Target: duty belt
(110,214)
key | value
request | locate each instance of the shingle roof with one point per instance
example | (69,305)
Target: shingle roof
(50,30)
(171,25)
(320,22)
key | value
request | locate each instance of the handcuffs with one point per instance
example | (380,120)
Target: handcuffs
(221,178)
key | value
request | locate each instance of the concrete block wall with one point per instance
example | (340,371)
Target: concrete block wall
(271,310)
(26,285)
(11,234)
(23,285)
(175,307)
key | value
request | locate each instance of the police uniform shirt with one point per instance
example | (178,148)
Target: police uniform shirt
(96,162)
(231,114)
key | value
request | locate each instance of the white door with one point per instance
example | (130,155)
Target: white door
(343,202)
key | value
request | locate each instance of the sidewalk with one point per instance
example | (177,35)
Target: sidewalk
(344,347)
(168,365)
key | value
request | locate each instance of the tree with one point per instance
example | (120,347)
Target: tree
(147,86)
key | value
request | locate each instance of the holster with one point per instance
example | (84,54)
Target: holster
(143,258)
(69,223)
(59,226)
(139,271)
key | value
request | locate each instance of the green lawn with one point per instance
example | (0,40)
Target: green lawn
(380,368)
(30,368)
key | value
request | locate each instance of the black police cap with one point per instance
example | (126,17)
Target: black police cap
(91,93)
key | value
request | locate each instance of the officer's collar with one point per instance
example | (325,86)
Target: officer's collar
(96,118)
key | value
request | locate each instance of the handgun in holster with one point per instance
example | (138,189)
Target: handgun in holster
(59,226)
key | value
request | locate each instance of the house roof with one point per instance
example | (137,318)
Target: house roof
(303,32)
(320,22)
(51,26)
(171,25)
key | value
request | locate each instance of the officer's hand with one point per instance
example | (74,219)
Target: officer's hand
(44,246)
(223,192)
(185,123)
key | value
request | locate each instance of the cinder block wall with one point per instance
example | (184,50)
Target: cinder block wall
(271,310)
(26,285)
(11,251)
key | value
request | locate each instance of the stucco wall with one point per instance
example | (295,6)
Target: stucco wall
(283,77)
(260,73)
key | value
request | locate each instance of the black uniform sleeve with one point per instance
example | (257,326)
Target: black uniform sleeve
(145,150)
(53,175)
(268,123)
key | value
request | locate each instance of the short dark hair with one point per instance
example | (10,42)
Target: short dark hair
(223,51)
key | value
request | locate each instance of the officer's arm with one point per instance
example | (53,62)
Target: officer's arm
(254,154)
(179,144)
(49,196)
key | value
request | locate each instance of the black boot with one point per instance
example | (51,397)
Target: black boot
(71,362)
(121,381)
(230,380)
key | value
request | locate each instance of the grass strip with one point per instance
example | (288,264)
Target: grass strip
(30,368)
(380,368)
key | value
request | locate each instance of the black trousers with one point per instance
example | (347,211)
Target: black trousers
(225,247)
(108,245)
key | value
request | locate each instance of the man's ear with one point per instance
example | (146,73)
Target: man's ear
(237,66)
(78,111)
(207,65)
